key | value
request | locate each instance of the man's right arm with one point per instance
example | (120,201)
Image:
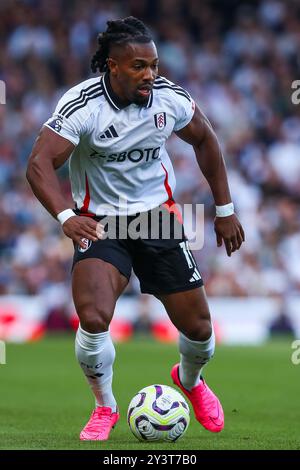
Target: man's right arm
(50,152)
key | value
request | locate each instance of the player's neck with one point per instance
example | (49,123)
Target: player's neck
(115,90)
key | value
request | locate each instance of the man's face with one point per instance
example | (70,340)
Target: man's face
(133,69)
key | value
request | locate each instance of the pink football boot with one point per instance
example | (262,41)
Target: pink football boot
(99,425)
(207,408)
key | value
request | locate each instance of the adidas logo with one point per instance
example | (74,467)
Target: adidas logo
(190,261)
(196,276)
(109,133)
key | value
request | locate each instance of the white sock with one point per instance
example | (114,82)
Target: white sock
(193,357)
(96,354)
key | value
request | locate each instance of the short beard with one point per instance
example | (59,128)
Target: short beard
(140,101)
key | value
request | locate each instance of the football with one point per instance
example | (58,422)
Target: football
(158,413)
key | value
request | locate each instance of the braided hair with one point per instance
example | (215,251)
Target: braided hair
(118,32)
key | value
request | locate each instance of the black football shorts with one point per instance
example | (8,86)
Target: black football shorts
(153,244)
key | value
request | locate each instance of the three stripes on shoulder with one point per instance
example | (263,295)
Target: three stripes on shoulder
(96,90)
(86,94)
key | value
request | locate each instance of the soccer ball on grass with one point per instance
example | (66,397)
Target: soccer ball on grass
(158,413)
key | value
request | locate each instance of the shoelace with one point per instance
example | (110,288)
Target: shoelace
(101,419)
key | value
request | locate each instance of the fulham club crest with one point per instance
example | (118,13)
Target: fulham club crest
(160,120)
(87,244)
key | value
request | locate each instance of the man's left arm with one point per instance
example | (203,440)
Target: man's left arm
(200,135)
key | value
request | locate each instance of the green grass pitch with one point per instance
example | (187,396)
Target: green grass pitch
(45,400)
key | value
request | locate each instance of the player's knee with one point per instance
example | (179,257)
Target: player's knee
(94,324)
(94,320)
(200,331)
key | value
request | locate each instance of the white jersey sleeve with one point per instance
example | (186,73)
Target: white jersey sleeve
(185,108)
(65,121)
(177,100)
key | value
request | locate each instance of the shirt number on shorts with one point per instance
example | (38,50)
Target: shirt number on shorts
(189,258)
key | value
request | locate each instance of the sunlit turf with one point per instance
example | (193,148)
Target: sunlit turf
(45,401)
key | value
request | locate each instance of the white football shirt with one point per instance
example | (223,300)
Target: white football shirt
(120,164)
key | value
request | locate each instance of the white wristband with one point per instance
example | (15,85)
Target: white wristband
(225,211)
(63,216)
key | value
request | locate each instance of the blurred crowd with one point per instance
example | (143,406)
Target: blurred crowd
(238,60)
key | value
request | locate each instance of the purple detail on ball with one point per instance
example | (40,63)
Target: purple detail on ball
(159,427)
(156,408)
(159,410)
(137,421)
(174,405)
(181,420)
(184,405)
(158,391)
(141,418)
(163,427)
(142,399)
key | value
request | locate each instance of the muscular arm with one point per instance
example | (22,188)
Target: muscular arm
(201,136)
(50,152)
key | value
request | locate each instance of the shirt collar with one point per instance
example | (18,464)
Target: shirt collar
(113,99)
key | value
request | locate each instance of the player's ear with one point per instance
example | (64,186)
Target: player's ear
(112,65)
